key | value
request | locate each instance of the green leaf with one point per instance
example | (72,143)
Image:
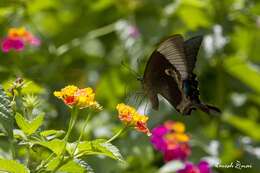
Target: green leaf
(29,127)
(249,127)
(19,134)
(51,134)
(6,118)
(244,71)
(12,166)
(99,147)
(199,16)
(73,166)
(102,4)
(38,5)
(84,165)
(56,145)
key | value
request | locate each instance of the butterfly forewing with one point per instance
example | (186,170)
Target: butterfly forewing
(169,72)
(155,80)
(173,50)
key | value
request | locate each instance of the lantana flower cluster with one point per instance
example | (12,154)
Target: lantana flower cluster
(17,38)
(171,140)
(80,98)
(202,167)
(131,117)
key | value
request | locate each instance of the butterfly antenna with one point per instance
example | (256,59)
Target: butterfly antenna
(137,75)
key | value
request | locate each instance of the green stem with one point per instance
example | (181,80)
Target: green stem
(78,141)
(91,35)
(44,163)
(84,127)
(12,143)
(74,115)
(27,156)
(81,133)
(117,134)
(11,138)
(101,31)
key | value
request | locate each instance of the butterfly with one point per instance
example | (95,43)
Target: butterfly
(169,72)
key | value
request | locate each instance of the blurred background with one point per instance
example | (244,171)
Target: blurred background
(96,43)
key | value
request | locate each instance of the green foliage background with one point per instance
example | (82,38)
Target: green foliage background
(85,42)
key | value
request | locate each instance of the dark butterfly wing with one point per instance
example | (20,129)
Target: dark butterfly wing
(173,50)
(155,81)
(170,91)
(191,49)
(174,53)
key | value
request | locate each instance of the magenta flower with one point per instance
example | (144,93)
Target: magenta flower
(17,38)
(157,138)
(202,167)
(181,152)
(8,44)
(171,140)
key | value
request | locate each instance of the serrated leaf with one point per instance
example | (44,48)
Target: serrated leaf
(99,147)
(51,134)
(84,165)
(6,118)
(12,166)
(29,127)
(72,166)
(56,145)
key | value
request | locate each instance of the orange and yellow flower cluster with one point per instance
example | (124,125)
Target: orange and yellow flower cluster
(131,117)
(81,98)
(17,38)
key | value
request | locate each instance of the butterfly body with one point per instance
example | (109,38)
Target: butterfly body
(169,72)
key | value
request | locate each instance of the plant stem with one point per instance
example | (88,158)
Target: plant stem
(11,140)
(117,134)
(91,35)
(73,118)
(44,163)
(84,127)
(74,115)
(82,131)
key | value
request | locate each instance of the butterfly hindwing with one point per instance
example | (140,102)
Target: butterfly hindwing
(191,49)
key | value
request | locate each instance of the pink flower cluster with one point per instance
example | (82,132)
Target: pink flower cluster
(17,38)
(202,167)
(171,140)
